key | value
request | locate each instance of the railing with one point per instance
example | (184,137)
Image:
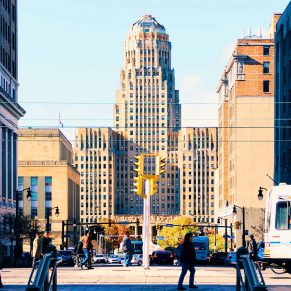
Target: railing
(44,280)
(251,279)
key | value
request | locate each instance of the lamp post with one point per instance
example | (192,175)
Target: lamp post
(215,231)
(57,213)
(225,231)
(75,231)
(243,222)
(17,235)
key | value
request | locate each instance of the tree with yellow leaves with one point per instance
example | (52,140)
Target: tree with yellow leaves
(173,235)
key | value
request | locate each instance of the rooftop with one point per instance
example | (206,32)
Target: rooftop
(148,23)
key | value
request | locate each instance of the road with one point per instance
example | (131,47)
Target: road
(112,277)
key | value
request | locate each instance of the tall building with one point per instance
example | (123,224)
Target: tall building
(282,168)
(10,110)
(45,165)
(246,135)
(147,119)
(147,114)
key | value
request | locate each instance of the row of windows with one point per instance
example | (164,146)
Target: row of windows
(5,58)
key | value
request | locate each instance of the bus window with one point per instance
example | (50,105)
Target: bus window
(283,215)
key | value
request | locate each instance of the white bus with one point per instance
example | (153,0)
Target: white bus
(201,245)
(278,227)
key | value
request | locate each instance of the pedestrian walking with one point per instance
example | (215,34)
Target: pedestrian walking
(45,242)
(87,247)
(127,249)
(188,258)
(36,249)
(253,249)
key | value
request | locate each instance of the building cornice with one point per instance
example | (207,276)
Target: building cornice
(42,163)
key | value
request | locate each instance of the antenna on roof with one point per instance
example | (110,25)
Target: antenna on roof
(260,32)
(250,34)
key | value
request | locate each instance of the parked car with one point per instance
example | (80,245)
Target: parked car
(100,258)
(217,258)
(137,259)
(114,259)
(231,258)
(261,250)
(162,257)
(67,257)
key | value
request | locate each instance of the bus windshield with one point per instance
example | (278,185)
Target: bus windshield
(283,215)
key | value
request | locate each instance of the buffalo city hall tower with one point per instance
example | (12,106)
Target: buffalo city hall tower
(147,119)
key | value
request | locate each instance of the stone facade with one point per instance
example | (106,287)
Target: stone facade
(246,133)
(147,119)
(45,165)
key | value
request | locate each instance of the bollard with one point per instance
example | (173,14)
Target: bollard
(239,252)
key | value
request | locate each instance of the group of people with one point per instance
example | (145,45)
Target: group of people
(40,246)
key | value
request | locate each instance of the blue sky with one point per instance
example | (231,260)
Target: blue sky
(72,51)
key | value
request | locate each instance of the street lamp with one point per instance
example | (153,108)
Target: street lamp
(225,232)
(234,211)
(260,194)
(57,213)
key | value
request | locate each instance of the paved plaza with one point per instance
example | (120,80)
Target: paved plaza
(135,278)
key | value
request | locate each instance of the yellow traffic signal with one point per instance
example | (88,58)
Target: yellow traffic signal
(139,163)
(139,186)
(154,186)
(160,166)
(182,227)
(158,227)
(237,225)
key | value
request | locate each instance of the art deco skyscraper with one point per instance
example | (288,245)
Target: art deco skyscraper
(147,119)
(147,113)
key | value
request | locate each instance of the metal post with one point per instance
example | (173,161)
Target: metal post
(225,235)
(47,220)
(231,239)
(63,234)
(55,280)
(244,228)
(16,227)
(146,225)
(215,231)
(75,231)
(67,233)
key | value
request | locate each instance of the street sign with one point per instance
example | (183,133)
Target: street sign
(228,236)
(246,232)
(160,237)
(169,225)
(124,222)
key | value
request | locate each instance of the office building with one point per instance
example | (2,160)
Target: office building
(45,165)
(282,169)
(147,119)
(10,110)
(246,134)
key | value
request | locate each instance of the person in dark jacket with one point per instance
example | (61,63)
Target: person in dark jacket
(253,249)
(45,242)
(187,258)
(127,249)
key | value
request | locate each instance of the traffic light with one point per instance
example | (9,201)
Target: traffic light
(182,227)
(139,163)
(109,222)
(139,186)
(237,225)
(160,166)
(154,186)
(158,227)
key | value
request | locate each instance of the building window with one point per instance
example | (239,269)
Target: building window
(266,67)
(33,212)
(33,187)
(266,86)
(266,50)
(48,188)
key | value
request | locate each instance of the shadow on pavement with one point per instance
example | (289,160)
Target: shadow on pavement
(126,287)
